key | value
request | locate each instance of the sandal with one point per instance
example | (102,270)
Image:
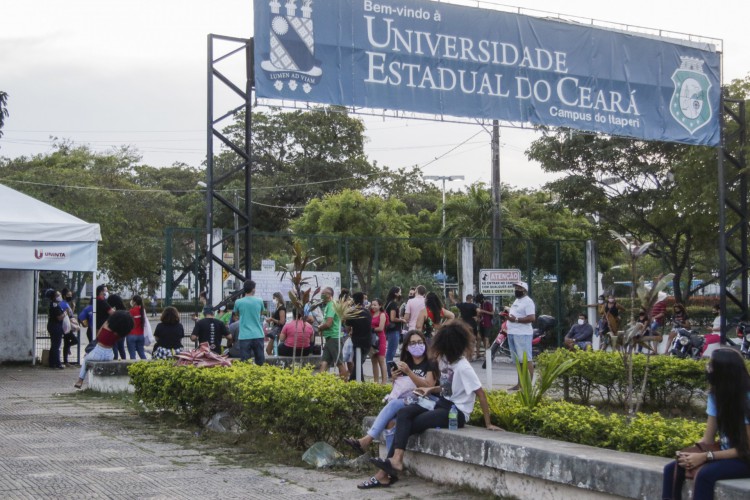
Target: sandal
(373,483)
(354,443)
(386,466)
(77,386)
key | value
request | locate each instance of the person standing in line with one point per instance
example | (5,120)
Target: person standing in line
(224,315)
(520,330)
(86,320)
(70,338)
(469,312)
(379,323)
(402,310)
(393,331)
(250,309)
(154,300)
(135,339)
(210,330)
(55,327)
(413,307)
(361,336)
(485,311)
(331,328)
(103,309)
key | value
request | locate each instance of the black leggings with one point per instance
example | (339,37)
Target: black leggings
(413,419)
(285,350)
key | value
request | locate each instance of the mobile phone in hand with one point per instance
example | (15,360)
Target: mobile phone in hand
(392,366)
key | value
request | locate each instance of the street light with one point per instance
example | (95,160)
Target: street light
(444,178)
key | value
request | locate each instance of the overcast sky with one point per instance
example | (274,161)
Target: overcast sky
(114,72)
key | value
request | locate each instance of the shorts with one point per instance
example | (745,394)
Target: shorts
(332,351)
(485,332)
(518,345)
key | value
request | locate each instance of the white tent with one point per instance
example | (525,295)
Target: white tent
(35,237)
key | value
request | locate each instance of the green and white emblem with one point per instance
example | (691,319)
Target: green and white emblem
(689,104)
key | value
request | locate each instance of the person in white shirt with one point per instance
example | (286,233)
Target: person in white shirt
(520,330)
(414,307)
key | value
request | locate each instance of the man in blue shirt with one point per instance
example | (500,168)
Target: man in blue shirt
(251,336)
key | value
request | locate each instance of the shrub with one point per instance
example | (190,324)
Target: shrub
(301,407)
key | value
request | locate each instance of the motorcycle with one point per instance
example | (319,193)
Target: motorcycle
(544,326)
(687,344)
(743,333)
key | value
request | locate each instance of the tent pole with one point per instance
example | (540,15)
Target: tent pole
(36,318)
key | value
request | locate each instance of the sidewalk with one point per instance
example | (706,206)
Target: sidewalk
(59,445)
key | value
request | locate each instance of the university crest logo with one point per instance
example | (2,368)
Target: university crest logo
(291,61)
(689,104)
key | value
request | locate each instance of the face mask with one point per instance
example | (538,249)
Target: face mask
(58,298)
(106,294)
(601,301)
(580,321)
(519,293)
(416,350)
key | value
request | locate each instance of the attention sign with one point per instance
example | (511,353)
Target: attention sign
(498,281)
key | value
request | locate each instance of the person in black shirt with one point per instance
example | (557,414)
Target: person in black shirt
(168,334)
(361,331)
(210,330)
(103,309)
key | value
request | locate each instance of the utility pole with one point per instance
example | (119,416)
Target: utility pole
(444,178)
(497,227)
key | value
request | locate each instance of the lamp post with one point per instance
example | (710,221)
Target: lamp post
(444,178)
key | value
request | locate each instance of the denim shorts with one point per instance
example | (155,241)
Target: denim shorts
(519,344)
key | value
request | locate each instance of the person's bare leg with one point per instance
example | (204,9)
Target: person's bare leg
(397,460)
(343,372)
(381,362)
(375,367)
(323,367)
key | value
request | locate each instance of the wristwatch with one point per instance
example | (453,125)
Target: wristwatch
(709,456)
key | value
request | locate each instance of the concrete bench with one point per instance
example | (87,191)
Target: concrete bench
(109,376)
(509,464)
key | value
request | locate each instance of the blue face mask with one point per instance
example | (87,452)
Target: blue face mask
(416,350)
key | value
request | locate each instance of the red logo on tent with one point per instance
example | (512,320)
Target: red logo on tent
(39,254)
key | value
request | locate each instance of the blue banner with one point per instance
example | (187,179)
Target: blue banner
(444,59)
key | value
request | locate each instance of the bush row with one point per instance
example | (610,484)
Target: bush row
(649,434)
(601,377)
(300,407)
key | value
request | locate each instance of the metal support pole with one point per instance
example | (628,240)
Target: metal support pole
(497,228)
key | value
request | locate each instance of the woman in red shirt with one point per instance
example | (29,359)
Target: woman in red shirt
(135,339)
(117,326)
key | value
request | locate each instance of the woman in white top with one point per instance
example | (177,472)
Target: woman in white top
(459,386)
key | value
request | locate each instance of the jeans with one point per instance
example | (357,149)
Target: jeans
(136,343)
(393,338)
(364,348)
(732,468)
(254,348)
(413,419)
(387,414)
(98,354)
(119,349)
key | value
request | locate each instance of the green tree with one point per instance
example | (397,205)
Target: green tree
(129,202)
(297,156)
(371,221)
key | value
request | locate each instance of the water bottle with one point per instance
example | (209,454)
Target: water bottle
(453,418)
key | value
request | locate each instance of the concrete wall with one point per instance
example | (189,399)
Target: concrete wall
(17,315)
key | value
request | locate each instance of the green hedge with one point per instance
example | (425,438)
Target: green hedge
(300,407)
(600,376)
(649,434)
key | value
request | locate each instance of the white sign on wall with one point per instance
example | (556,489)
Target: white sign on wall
(269,282)
(498,281)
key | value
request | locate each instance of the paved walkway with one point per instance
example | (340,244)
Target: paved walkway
(57,444)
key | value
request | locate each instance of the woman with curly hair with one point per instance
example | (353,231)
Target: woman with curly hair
(728,409)
(458,386)
(433,315)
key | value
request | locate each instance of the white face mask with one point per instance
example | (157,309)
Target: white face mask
(581,321)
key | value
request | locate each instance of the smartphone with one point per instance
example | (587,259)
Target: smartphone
(392,366)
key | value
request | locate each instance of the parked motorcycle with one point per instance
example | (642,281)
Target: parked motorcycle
(544,326)
(687,344)
(743,333)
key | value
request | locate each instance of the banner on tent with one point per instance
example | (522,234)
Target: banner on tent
(445,59)
(50,256)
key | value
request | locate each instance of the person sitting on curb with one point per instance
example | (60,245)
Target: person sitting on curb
(459,387)
(412,371)
(580,335)
(117,327)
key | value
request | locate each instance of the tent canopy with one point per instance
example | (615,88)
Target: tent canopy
(37,236)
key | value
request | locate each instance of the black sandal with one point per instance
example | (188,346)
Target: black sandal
(354,443)
(373,483)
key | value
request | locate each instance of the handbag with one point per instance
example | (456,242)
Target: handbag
(67,327)
(148,333)
(375,341)
(698,448)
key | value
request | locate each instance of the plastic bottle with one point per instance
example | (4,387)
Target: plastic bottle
(453,418)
